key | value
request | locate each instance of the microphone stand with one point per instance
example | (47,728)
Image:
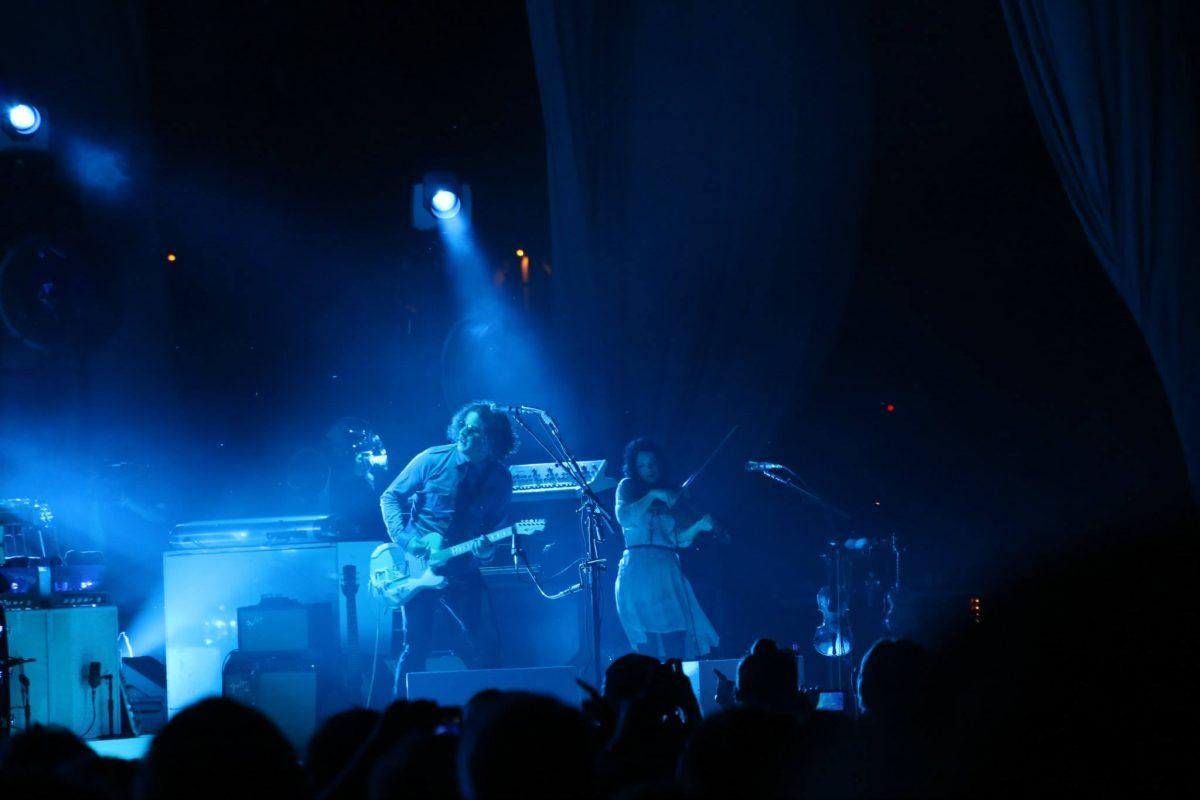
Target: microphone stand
(23,679)
(793,482)
(595,522)
(109,679)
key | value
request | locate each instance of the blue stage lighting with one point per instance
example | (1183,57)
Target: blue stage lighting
(24,119)
(439,198)
(445,204)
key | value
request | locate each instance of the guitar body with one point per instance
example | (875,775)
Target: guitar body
(397,576)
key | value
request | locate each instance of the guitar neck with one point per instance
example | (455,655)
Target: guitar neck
(350,590)
(462,548)
(351,624)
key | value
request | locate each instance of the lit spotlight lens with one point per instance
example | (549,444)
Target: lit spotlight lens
(445,204)
(24,119)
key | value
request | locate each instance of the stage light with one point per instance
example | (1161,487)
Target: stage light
(520,253)
(24,119)
(440,197)
(23,126)
(170,256)
(445,204)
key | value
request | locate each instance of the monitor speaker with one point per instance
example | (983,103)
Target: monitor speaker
(455,688)
(704,680)
(144,685)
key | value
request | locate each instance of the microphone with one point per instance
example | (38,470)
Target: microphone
(519,410)
(762,466)
(93,677)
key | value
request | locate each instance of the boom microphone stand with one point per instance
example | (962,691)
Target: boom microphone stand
(793,482)
(595,523)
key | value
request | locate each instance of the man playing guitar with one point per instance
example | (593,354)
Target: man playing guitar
(452,493)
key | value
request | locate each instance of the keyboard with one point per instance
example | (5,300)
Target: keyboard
(551,482)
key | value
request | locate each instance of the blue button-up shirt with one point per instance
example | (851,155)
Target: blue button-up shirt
(441,491)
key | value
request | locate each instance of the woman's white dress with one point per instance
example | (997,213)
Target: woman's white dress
(653,596)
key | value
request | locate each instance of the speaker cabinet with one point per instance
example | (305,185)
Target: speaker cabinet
(284,687)
(64,642)
(203,589)
(455,688)
(534,632)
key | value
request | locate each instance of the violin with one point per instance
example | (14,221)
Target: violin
(686,514)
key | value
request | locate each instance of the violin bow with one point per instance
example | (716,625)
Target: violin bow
(683,487)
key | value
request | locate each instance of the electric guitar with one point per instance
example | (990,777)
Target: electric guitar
(398,575)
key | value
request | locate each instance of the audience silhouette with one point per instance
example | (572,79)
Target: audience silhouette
(1074,680)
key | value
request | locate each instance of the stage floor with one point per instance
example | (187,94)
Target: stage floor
(130,749)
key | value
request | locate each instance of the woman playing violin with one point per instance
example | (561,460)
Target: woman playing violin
(655,602)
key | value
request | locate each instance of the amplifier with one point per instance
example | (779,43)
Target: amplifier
(203,589)
(534,631)
(287,688)
(36,583)
(279,624)
(78,585)
(26,583)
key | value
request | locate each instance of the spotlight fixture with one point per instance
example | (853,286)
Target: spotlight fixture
(445,204)
(23,127)
(439,196)
(24,119)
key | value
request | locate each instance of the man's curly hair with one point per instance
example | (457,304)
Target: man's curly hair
(501,438)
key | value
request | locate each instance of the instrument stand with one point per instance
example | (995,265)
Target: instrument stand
(6,672)
(111,733)
(26,709)
(843,666)
(595,523)
(841,660)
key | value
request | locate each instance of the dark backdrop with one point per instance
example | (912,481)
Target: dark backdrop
(1027,413)
(785,221)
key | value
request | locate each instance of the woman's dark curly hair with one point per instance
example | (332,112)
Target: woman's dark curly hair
(644,445)
(500,435)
